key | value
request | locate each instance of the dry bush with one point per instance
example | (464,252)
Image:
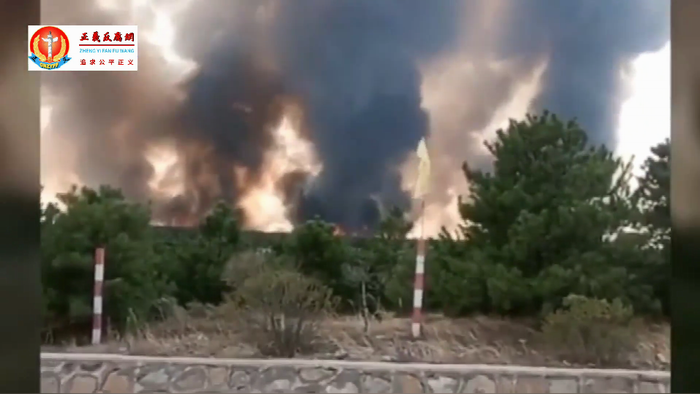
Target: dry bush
(591,331)
(244,265)
(279,309)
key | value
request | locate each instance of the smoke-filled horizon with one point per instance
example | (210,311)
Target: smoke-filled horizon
(311,107)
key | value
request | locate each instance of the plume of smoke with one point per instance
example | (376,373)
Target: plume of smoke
(352,65)
(102,123)
(588,44)
(221,124)
(355,64)
(513,57)
(371,78)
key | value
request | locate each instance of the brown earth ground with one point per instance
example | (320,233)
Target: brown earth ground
(478,340)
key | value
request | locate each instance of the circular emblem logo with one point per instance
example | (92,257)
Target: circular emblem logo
(49,47)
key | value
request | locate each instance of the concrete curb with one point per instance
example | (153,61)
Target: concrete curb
(364,365)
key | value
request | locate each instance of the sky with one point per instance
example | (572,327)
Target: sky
(645,117)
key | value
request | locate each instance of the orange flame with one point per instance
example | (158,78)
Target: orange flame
(338,231)
(264,204)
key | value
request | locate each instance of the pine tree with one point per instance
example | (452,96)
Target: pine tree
(549,219)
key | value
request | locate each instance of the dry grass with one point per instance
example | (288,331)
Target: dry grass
(481,340)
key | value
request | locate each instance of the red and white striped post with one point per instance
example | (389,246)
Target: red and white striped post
(419,281)
(421,190)
(97,296)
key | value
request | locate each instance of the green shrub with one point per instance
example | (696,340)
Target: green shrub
(198,263)
(587,330)
(319,253)
(398,287)
(460,277)
(133,285)
(279,308)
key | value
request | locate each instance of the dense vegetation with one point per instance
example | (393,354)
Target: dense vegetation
(554,218)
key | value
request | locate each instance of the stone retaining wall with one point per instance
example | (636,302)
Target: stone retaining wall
(107,373)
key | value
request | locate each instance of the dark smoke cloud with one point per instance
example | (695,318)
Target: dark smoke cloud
(230,104)
(353,66)
(589,42)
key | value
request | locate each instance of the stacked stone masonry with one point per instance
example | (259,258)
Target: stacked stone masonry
(105,373)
